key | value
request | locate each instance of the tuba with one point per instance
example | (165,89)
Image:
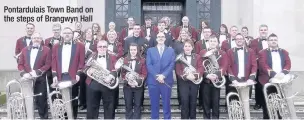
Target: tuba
(211,66)
(20,105)
(131,75)
(189,69)
(58,106)
(280,104)
(99,74)
(238,103)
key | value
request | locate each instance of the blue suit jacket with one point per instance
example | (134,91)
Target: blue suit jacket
(160,65)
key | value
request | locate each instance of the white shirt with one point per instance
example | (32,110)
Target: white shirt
(222,38)
(188,59)
(102,61)
(202,36)
(111,48)
(34,53)
(132,65)
(207,44)
(148,31)
(66,56)
(166,31)
(276,62)
(28,42)
(241,59)
(87,46)
(55,42)
(130,32)
(264,44)
(233,44)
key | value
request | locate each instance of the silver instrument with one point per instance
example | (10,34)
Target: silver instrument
(280,103)
(17,56)
(99,74)
(189,69)
(238,103)
(58,106)
(131,75)
(211,66)
(20,104)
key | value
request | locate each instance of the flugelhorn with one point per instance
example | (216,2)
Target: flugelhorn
(280,103)
(211,66)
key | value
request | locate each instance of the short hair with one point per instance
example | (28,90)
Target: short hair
(206,28)
(272,35)
(233,27)
(68,28)
(30,24)
(245,28)
(213,37)
(148,18)
(239,34)
(161,21)
(263,25)
(189,41)
(56,25)
(99,41)
(78,22)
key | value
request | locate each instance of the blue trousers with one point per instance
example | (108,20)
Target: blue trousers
(155,91)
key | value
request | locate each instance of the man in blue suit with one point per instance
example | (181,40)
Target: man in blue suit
(160,62)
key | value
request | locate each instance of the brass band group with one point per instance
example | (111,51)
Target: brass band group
(76,69)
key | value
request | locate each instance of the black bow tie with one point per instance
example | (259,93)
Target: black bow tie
(263,39)
(133,59)
(130,28)
(222,34)
(206,40)
(233,39)
(148,27)
(274,50)
(188,55)
(239,48)
(35,47)
(111,44)
(100,56)
(88,41)
(67,43)
(27,37)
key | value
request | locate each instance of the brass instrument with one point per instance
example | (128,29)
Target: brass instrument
(17,56)
(20,104)
(58,106)
(189,69)
(211,66)
(99,74)
(280,103)
(238,103)
(131,75)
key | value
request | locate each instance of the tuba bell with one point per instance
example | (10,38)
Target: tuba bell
(20,105)
(280,103)
(189,69)
(238,103)
(211,66)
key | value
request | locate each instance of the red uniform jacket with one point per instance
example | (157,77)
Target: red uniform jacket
(140,68)
(190,29)
(49,42)
(76,60)
(117,49)
(199,46)
(42,62)
(153,29)
(199,32)
(21,43)
(124,34)
(222,61)
(250,64)
(111,60)
(265,64)
(256,45)
(226,45)
(196,62)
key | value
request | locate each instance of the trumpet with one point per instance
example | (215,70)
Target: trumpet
(280,103)
(211,66)
(189,69)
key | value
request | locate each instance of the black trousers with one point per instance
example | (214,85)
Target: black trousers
(200,95)
(41,101)
(188,94)
(258,92)
(263,102)
(178,92)
(116,97)
(211,100)
(82,90)
(75,92)
(96,92)
(133,97)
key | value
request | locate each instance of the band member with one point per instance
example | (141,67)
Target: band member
(67,63)
(211,96)
(148,28)
(203,44)
(112,26)
(56,37)
(200,35)
(128,31)
(97,91)
(133,87)
(96,30)
(34,61)
(78,37)
(230,42)
(273,61)
(136,38)
(78,28)
(186,25)
(161,29)
(246,36)
(188,90)
(223,34)
(160,64)
(169,29)
(242,63)
(257,45)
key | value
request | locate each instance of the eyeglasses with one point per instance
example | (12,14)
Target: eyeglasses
(102,46)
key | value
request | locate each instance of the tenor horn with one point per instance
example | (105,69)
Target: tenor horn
(189,69)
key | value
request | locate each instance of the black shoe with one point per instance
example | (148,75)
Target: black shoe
(200,108)
(83,107)
(256,107)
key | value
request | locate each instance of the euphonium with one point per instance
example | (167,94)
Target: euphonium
(20,105)
(189,69)
(238,103)
(99,74)
(280,103)
(211,66)
(131,75)
(58,106)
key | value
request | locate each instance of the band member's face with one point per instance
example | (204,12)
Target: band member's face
(76,36)
(273,42)
(148,22)
(67,35)
(185,20)
(30,29)
(239,41)
(131,21)
(244,32)
(133,50)
(204,24)
(161,38)
(89,33)
(167,21)
(263,32)
(136,30)
(213,43)
(188,48)
(78,26)
(112,26)
(112,35)
(102,47)
(95,27)
(233,31)
(222,29)
(207,33)
(161,26)
(184,35)
(36,39)
(56,31)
